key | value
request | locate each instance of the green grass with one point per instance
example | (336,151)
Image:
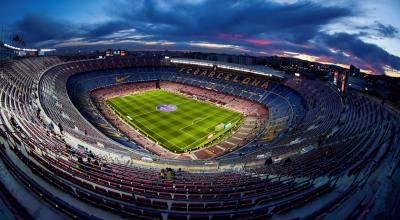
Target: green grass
(184,129)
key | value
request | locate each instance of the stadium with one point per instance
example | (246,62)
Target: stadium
(165,135)
(291,144)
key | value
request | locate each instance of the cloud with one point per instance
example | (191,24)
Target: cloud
(74,42)
(289,28)
(216,46)
(364,54)
(199,20)
(297,22)
(37,28)
(103,29)
(126,34)
(378,30)
(387,31)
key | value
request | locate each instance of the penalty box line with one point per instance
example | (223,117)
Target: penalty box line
(179,130)
(193,123)
(207,134)
(157,134)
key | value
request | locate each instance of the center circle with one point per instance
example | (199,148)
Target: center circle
(166,107)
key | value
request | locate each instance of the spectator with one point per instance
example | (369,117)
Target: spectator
(170,174)
(268,161)
(288,161)
(162,174)
(60,127)
(80,162)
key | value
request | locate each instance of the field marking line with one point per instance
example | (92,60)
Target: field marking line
(202,119)
(180,103)
(197,138)
(193,122)
(209,134)
(141,114)
(157,135)
(181,148)
(189,99)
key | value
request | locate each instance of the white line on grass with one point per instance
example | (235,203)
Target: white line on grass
(146,113)
(157,134)
(198,139)
(194,137)
(195,121)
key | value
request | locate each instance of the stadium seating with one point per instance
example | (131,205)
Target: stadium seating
(322,146)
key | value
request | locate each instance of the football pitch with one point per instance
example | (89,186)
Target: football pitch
(175,121)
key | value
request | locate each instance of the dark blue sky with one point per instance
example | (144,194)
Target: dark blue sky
(364,33)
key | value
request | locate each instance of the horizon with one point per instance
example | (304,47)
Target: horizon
(361,33)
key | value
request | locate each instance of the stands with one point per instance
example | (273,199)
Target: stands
(352,138)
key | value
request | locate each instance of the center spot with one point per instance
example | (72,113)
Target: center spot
(166,107)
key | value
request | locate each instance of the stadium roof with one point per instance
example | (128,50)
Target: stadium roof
(24,49)
(255,69)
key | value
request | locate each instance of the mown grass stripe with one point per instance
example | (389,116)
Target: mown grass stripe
(184,129)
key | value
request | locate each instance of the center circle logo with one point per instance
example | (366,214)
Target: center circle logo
(166,107)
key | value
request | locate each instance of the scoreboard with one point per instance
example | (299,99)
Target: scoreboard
(111,53)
